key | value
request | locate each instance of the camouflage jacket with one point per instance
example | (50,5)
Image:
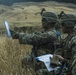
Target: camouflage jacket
(72,46)
(69,47)
(43,40)
(37,38)
(69,52)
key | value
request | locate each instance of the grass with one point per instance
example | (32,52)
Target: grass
(11,53)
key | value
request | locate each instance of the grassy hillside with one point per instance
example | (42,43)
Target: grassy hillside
(11,53)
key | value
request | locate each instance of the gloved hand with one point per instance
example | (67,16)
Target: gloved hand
(14,34)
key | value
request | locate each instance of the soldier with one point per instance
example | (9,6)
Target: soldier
(43,42)
(69,47)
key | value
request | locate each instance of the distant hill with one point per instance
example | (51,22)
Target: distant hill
(10,2)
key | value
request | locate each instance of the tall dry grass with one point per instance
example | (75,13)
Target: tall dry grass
(11,53)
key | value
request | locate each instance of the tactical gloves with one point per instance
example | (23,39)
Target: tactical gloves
(14,34)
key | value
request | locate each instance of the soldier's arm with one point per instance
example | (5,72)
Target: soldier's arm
(37,38)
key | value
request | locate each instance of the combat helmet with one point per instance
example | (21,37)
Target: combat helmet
(49,17)
(65,16)
(68,20)
(68,23)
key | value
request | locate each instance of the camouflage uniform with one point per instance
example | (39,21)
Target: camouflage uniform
(72,45)
(42,39)
(69,48)
(69,52)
